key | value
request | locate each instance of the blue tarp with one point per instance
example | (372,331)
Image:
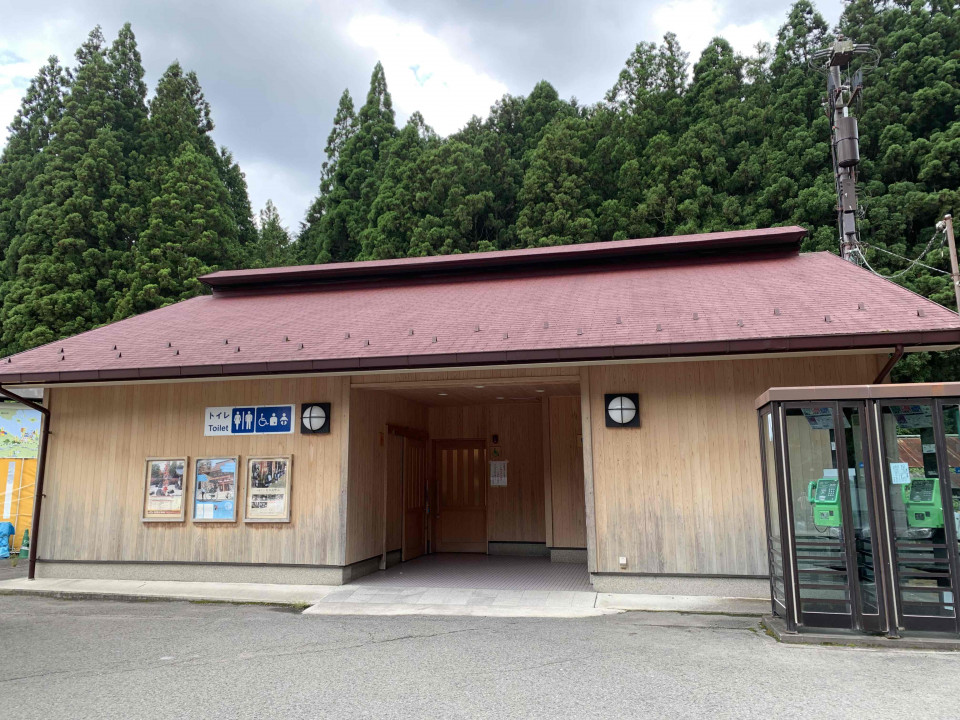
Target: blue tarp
(6,530)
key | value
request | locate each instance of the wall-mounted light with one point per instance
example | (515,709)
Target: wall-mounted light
(315,418)
(622,409)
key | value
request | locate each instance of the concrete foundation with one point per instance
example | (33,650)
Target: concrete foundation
(731,587)
(848,638)
(569,555)
(208,572)
(521,549)
(394,557)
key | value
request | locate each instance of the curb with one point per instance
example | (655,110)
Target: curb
(147,597)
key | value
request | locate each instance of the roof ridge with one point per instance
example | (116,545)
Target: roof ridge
(751,240)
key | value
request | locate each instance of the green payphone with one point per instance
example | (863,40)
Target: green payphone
(824,496)
(922,503)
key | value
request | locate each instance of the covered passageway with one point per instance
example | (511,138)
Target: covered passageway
(468,480)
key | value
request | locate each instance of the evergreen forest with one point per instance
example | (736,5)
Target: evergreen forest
(114,199)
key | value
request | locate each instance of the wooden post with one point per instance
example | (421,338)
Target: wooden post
(954,271)
(344,425)
(547,471)
(589,505)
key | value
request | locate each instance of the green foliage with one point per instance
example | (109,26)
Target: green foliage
(108,207)
(80,213)
(273,238)
(23,158)
(189,231)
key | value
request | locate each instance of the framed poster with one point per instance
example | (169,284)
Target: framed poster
(215,489)
(268,489)
(163,489)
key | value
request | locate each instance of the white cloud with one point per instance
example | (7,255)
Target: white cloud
(15,77)
(289,189)
(697,22)
(425,73)
(24,54)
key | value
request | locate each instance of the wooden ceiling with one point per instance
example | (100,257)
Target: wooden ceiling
(478,392)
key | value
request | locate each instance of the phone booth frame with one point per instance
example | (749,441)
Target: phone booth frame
(874,403)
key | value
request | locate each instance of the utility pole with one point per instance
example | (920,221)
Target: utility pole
(947,223)
(843,90)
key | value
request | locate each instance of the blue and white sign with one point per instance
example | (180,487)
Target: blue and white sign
(248,420)
(274,419)
(242,419)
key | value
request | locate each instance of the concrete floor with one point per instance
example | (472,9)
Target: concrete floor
(101,659)
(482,572)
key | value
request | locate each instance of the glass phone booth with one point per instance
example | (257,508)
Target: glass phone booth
(862,495)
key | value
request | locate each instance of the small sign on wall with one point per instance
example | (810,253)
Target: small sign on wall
(899,473)
(248,420)
(498,473)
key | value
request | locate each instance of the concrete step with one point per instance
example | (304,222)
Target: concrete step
(393,609)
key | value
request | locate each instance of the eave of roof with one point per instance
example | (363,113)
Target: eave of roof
(878,341)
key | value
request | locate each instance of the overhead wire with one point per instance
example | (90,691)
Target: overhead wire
(913,263)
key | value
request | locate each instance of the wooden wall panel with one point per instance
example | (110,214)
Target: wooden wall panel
(94,485)
(683,493)
(514,513)
(393,503)
(369,414)
(566,474)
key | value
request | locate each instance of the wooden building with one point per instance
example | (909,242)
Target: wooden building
(590,403)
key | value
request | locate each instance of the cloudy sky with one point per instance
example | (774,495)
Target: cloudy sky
(273,71)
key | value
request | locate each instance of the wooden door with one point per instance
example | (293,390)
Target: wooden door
(460,468)
(414,498)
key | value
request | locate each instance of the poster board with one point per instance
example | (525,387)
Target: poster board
(215,489)
(164,486)
(19,431)
(268,482)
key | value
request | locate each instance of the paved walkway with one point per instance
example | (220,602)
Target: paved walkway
(169,590)
(482,572)
(379,600)
(384,600)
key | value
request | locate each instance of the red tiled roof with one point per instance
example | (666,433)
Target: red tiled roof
(910,450)
(660,307)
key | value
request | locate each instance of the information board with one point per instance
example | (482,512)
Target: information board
(498,473)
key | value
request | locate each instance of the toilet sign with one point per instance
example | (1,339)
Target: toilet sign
(248,420)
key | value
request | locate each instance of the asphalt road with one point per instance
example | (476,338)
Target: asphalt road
(98,659)
(9,571)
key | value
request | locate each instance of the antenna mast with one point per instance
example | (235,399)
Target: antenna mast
(844,88)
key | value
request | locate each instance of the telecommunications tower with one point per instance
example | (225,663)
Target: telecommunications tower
(844,89)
